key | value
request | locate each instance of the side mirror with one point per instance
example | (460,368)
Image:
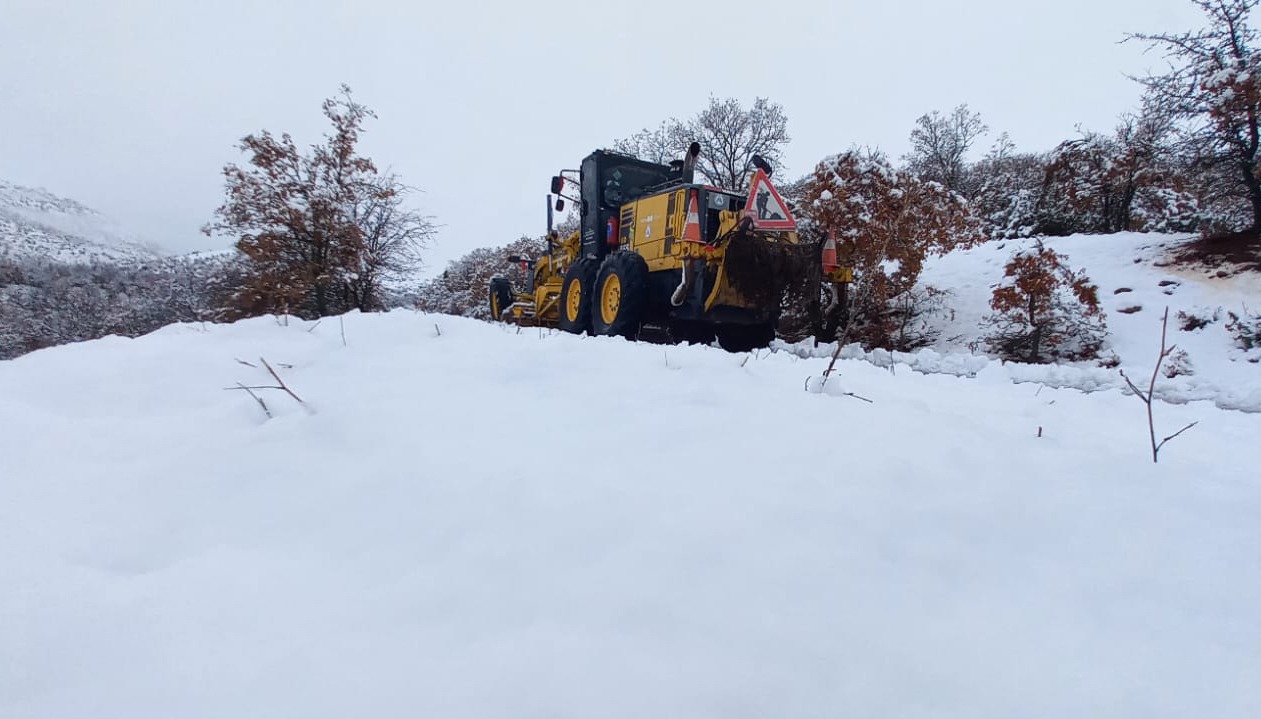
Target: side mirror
(762,165)
(560,205)
(558,184)
(514,259)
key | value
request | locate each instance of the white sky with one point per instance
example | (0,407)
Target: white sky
(133,106)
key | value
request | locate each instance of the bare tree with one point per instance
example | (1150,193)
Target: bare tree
(661,144)
(392,237)
(1149,396)
(1213,86)
(940,143)
(730,137)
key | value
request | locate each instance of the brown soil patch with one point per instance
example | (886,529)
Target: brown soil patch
(1233,253)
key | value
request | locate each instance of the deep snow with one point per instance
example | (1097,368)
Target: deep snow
(469,521)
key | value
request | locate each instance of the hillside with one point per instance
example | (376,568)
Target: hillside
(35,223)
(1138,277)
(463,520)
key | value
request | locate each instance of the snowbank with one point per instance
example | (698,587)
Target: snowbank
(467,521)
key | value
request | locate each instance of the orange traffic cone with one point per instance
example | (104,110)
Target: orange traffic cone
(692,227)
(829,253)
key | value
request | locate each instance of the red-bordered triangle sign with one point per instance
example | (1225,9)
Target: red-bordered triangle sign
(767,209)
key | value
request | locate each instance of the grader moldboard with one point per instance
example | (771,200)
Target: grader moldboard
(656,249)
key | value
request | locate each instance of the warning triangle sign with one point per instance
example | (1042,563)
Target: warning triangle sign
(766,208)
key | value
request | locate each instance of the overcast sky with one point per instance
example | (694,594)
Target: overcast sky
(133,106)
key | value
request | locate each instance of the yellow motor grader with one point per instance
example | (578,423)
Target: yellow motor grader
(656,248)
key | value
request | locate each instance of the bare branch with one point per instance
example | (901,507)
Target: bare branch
(1175,434)
(1133,388)
(258,399)
(851,394)
(281,382)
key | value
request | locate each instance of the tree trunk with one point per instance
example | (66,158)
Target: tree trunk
(321,299)
(1254,191)
(1035,339)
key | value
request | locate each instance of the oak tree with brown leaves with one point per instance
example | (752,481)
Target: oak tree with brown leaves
(1045,310)
(886,223)
(1128,181)
(320,229)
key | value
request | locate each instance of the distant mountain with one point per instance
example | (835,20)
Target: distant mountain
(35,223)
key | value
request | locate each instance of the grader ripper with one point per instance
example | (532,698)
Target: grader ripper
(655,248)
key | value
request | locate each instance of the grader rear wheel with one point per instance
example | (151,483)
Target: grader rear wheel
(575,296)
(500,297)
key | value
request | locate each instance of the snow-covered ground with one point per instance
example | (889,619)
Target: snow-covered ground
(464,520)
(1136,281)
(38,224)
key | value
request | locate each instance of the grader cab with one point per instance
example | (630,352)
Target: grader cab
(656,248)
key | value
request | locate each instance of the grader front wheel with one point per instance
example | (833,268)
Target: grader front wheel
(623,293)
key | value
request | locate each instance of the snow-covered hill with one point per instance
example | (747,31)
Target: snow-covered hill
(1137,279)
(35,223)
(464,520)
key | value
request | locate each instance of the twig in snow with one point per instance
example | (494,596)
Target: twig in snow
(341,320)
(1147,397)
(281,382)
(437,329)
(317,324)
(257,399)
(843,394)
(247,364)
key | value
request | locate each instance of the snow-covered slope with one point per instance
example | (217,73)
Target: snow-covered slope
(464,520)
(38,224)
(1137,280)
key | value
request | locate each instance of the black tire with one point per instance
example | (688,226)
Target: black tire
(578,286)
(621,295)
(743,338)
(692,332)
(500,297)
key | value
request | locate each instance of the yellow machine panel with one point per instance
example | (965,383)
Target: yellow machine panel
(652,226)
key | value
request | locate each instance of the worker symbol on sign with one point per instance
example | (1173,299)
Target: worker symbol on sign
(763,197)
(765,207)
